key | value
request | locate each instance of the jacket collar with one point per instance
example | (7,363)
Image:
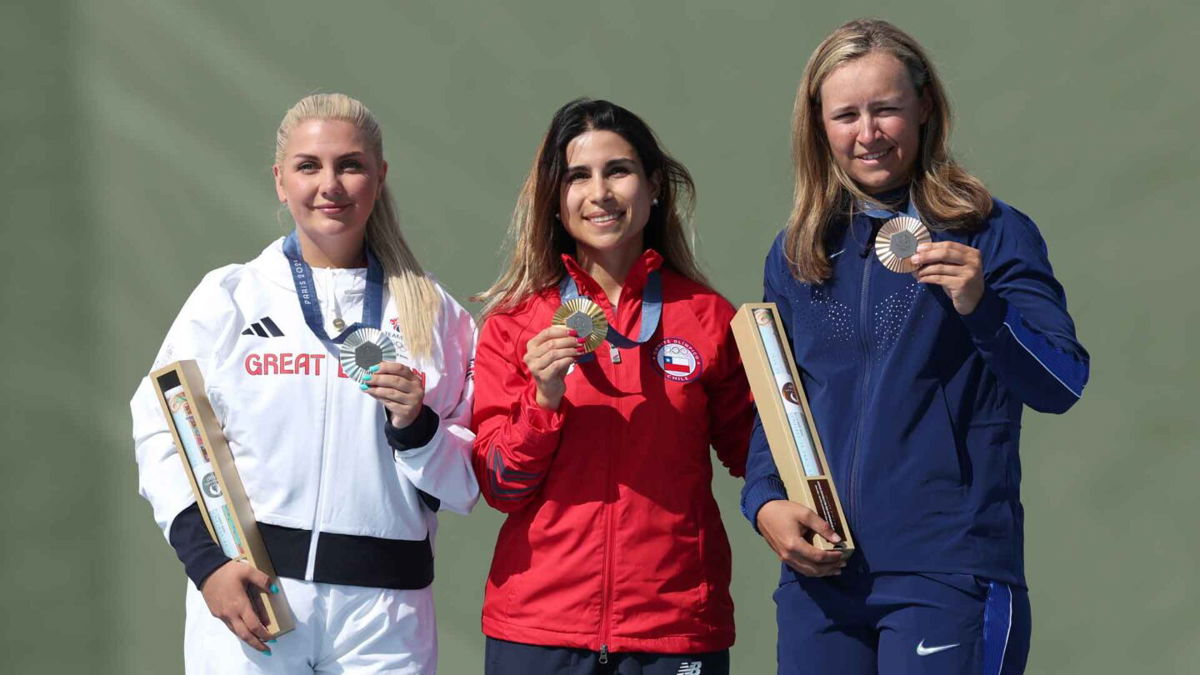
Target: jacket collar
(273,264)
(649,261)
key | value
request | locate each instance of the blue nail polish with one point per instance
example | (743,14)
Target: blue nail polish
(366,377)
(267,653)
(374,369)
(363,387)
(271,642)
(274,589)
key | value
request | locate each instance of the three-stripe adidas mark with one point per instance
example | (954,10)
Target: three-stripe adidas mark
(264,327)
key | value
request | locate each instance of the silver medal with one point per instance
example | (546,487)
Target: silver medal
(364,348)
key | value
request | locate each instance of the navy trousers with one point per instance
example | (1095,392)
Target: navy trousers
(512,658)
(893,624)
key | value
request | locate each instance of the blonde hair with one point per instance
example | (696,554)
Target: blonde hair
(537,240)
(947,196)
(414,295)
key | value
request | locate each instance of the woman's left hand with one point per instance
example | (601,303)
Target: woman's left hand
(956,267)
(399,389)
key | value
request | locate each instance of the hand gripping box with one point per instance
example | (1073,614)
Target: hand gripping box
(208,463)
(786,418)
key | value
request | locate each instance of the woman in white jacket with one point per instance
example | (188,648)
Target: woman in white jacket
(344,479)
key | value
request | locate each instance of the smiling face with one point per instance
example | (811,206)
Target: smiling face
(329,180)
(872,116)
(605,197)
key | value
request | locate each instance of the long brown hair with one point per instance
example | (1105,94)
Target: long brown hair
(537,240)
(947,196)
(413,294)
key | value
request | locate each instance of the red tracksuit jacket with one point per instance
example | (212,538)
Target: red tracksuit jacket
(613,540)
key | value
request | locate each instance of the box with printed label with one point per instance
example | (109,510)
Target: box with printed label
(787,419)
(209,465)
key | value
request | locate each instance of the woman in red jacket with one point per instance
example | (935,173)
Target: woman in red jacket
(613,558)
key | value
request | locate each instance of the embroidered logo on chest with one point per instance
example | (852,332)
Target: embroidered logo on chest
(678,360)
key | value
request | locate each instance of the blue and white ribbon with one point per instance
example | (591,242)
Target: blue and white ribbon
(306,292)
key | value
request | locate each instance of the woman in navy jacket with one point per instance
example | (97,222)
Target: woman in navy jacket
(917,380)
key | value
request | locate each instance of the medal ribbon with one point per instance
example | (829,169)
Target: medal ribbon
(306,292)
(651,312)
(876,210)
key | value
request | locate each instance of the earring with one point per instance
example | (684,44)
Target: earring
(654,202)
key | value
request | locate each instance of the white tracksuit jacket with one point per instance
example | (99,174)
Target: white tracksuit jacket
(337,503)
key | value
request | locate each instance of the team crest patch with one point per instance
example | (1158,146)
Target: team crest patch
(678,360)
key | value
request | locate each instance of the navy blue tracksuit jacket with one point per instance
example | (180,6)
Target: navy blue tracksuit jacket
(919,408)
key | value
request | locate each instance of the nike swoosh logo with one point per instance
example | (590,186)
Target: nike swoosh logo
(922,650)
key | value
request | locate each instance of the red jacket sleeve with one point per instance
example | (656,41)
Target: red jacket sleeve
(515,438)
(730,405)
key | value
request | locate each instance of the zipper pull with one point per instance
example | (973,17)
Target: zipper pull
(603,654)
(614,353)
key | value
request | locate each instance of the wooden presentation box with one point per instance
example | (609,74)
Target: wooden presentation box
(208,463)
(786,418)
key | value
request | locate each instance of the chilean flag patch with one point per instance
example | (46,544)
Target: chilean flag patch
(678,360)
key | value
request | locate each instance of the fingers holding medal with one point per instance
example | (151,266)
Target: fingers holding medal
(549,355)
(577,328)
(956,267)
(904,245)
(399,388)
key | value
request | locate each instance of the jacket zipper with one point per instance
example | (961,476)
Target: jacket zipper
(330,379)
(864,316)
(607,585)
(610,500)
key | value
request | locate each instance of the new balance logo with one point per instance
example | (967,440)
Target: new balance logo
(264,327)
(689,668)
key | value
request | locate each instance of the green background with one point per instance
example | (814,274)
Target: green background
(137,140)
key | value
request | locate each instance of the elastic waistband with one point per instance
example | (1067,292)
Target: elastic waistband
(348,559)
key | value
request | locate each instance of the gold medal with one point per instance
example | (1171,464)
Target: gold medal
(364,348)
(585,318)
(897,242)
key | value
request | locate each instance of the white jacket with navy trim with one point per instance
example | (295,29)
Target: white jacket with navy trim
(309,445)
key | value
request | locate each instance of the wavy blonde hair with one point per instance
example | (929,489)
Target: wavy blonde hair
(537,240)
(947,196)
(414,296)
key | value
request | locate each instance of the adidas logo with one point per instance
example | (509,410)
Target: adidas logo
(264,327)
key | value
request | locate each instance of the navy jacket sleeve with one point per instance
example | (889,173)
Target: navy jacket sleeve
(762,478)
(200,555)
(416,434)
(1021,326)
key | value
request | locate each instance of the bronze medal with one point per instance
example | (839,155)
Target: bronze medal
(897,242)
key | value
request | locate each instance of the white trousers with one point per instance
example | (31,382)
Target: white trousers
(339,629)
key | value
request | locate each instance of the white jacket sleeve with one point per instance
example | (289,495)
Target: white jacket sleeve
(442,467)
(205,327)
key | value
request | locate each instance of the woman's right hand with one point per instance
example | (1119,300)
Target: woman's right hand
(226,591)
(548,355)
(788,528)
